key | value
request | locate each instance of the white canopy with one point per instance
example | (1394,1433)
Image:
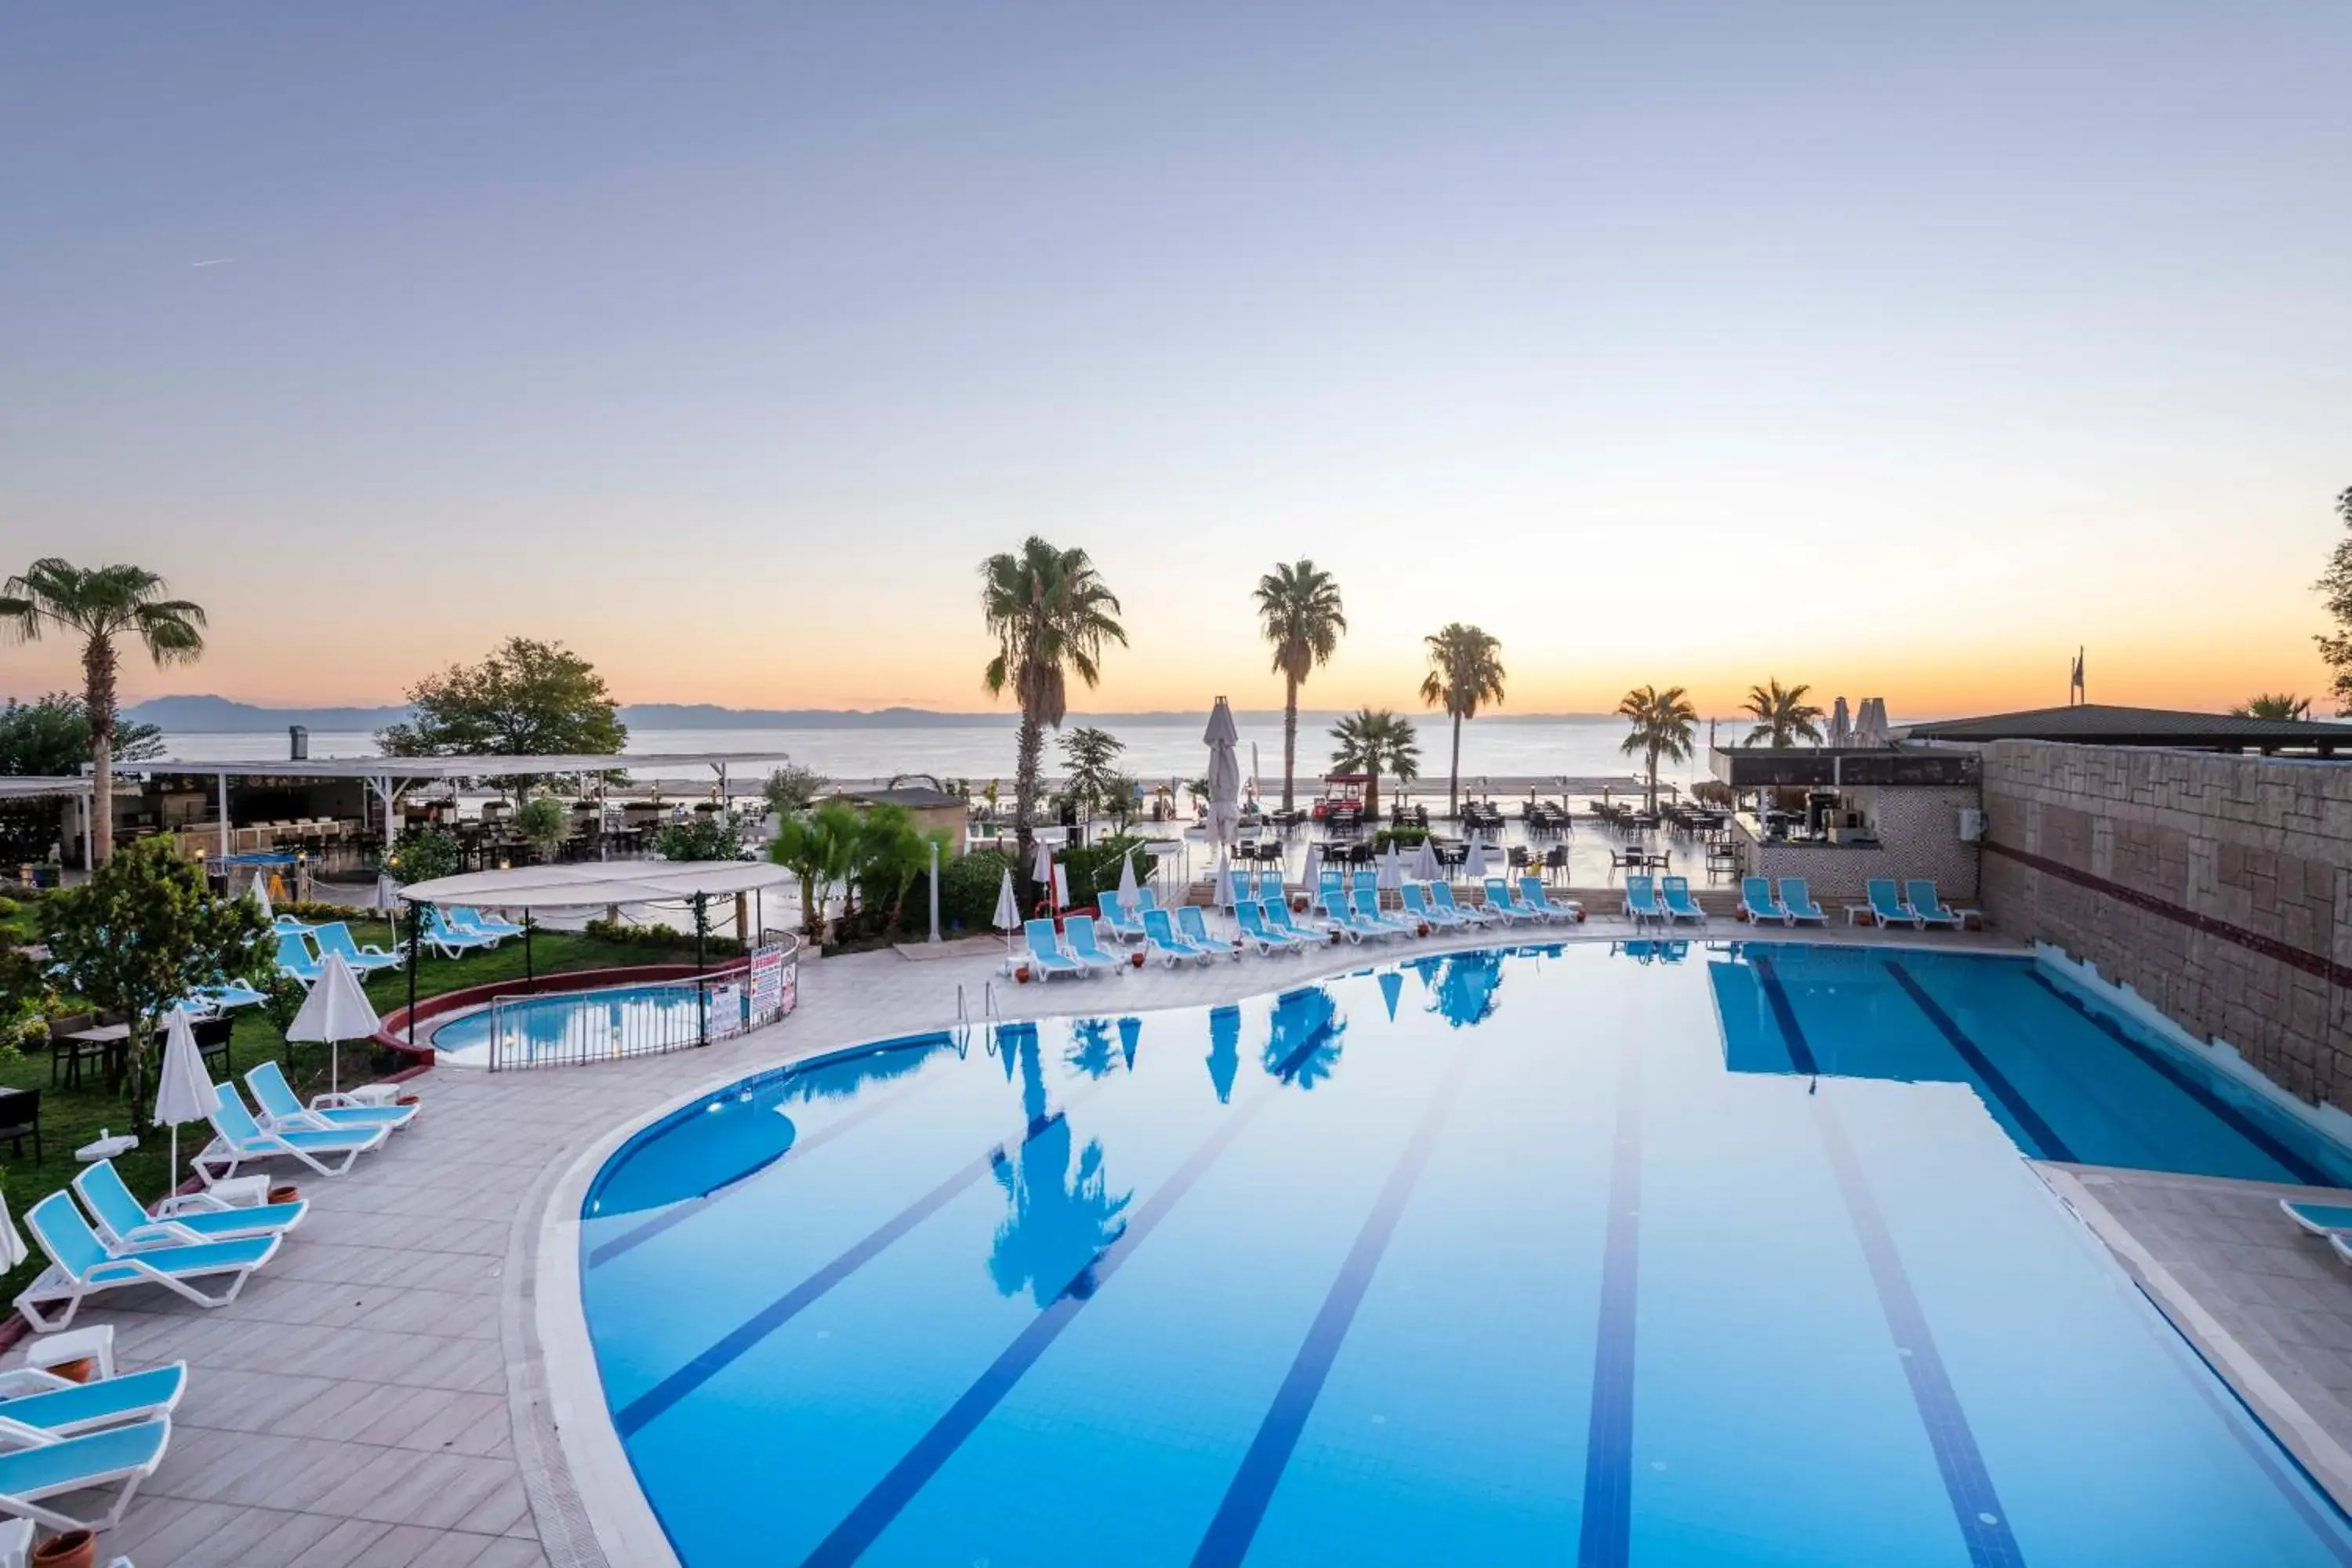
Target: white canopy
(182,1090)
(336,1009)
(591,883)
(1840,725)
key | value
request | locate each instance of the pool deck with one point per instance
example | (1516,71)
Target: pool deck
(378,1395)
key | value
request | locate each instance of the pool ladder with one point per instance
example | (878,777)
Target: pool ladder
(965,1019)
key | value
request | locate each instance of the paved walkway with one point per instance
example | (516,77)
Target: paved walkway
(375,1397)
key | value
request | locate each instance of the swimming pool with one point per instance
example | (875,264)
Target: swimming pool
(618,1020)
(1536,1257)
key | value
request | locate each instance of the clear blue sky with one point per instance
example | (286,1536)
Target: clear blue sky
(1894,348)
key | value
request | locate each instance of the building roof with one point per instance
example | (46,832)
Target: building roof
(2097,724)
(914,798)
(477,766)
(585,884)
(20,786)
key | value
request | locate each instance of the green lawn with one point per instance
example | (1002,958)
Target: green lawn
(71,1119)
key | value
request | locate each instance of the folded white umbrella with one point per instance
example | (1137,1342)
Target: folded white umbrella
(1840,725)
(1425,867)
(259,887)
(183,1092)
(1060,886)
(1222,883)
(13,1250)
(1224,773)
(1313,869)
(1126,879)
(335,1010)
(1041,867)
(1391,875)
(1008,910)
(1474,865)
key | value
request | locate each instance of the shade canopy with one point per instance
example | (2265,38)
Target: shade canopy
(183,1092)
(1840,725)
(336,1008)
(591,884)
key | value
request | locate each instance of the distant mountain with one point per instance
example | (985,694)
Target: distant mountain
(222,715)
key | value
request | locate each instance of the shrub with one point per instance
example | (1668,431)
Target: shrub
(705,836)
(1403,837)
(968,887)
(422,854)
(668,938)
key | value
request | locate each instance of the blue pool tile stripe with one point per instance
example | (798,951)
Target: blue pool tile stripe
(1229,1533)
(1606,1538)
(639,1235)
(2044,1139)
(1976,1505)
(634,1416)
(890,1495)
(2164,1067)
(1801,1053)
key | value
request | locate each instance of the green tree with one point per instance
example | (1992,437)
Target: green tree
(1466,672)
(890,853)
(2273,705)
(98,605)
(1092,757)
(791,789)
(528,699)
(1782,715)
(1376,742)
(2335,583)
(1301,615)
(49,737)
(820,849)
(1663,724)
(143,931)
(1052,616)
(544,823)
(703,836)
(422,854)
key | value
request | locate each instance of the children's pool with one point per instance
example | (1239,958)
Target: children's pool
(1544,1255)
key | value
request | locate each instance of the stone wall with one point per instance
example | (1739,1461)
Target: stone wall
(2218,886)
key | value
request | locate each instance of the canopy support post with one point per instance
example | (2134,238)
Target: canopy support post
(529,974)
(223,823)
(416,957)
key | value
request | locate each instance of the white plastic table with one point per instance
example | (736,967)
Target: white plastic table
(374,1093)
(96,1342)
(106,1148)
(236,1192)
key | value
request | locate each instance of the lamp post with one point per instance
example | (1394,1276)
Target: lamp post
(935,892)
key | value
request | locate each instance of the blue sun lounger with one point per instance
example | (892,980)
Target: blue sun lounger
(282,1110)
(1278,918)
(1533,894)
(38,1406)
(1045,954)
(81,1265)
(472,919)
(230,994)
(121,1456)
(1367,908)
(1642,900)
(1441,896)
(1929,904)
(1757,902)
(450,939)
(2320,1219)
(1500,903)
(1161,941)
(1079,936)
(240,1140)
(1116,917)
(1417,905)
(1680,906)
(1250,919)
(336,937)
(1195,927)
(1336,911)
(295,960)
(1797,898)
(124,1224)
(1886,905)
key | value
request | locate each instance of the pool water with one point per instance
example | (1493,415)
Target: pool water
(615,1020)
(1539,1256)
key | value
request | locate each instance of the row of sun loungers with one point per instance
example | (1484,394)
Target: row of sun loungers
(105,1436)
(452,932)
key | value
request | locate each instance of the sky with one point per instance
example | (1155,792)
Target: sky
(1896,350)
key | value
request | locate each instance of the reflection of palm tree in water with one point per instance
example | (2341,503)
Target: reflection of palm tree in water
(1465,991)
(1303,1045)
(1061,1218)
(1091,1050)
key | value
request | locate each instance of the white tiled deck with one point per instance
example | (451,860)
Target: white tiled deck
(374,1398)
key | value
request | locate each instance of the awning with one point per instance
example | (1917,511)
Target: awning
(590,884)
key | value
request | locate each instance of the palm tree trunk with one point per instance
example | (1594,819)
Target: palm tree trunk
(1289,736)
(97,701)
(1654,781)
(1032,748)
(1372,792)
(1454,776)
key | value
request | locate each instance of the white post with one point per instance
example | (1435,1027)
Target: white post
(935,891)
(223,822)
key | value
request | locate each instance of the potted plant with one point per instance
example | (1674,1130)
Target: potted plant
(74,1549)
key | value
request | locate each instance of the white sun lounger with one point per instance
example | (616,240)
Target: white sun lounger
(282,1110)
(1195,925)
(38,1406)
(124,1224)
(81,1265)
(240,1140)
(1250,919)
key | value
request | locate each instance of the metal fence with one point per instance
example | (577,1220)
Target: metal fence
(648,1019)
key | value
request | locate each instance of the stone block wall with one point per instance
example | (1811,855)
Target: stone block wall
(2218,886)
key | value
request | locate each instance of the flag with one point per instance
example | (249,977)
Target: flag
(2074,679)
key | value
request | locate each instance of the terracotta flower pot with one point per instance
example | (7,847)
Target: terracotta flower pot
(284,1194)
(77,1370)
(1421,930)
(1022,974)
(74,1549)
(1135,958)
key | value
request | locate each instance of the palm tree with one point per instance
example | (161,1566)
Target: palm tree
(1051,615)
(1465,670)
(2273,705)
(98,603)
(1782,716)
(1663,722)
(1375,743)
(1299,610)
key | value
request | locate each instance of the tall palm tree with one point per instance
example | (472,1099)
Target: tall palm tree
(1052,616)
(1375,743)
(2273,705)
(1299,610)
(1663,724)
(1465,671)
(1782,715)
(98,604)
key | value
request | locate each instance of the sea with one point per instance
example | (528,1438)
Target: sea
(1497,753)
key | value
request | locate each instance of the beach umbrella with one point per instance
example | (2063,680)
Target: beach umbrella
(1425,867)
(260,892)
(335,1010)
(1313,871)
(1474,864)
(1840,726)
(182,1090)
(1008,911)
(1392,988)
(1391,877)
(1224,773)
(1126,879)
(1060,886)
(1131,1031)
